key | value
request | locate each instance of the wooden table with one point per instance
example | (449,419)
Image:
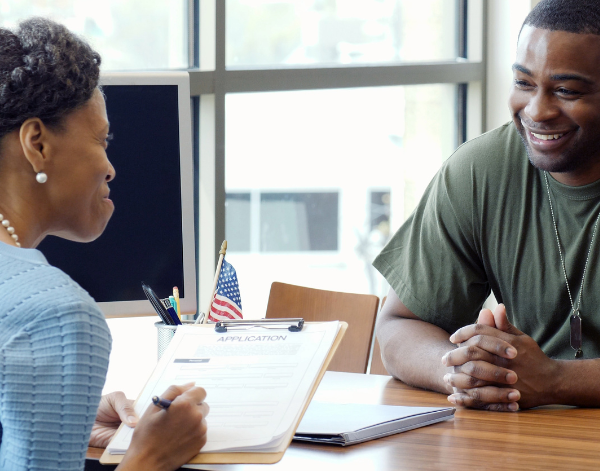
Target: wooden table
(544,438)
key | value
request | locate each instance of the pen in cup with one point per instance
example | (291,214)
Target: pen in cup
(174,304)
(157,305)
(171,311)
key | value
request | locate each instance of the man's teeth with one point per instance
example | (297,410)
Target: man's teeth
(547,137)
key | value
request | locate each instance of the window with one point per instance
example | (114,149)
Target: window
(128,34)
(268,33)
(380,211)
(287,148)
(299,222)
(238,220)
(366,98)
(287,222)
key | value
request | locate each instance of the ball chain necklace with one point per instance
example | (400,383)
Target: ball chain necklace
(574,317)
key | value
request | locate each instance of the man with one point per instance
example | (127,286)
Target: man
(514,212)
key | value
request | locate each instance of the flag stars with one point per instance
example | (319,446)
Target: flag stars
(229,291)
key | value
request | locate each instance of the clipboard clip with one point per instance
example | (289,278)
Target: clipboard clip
(293,324)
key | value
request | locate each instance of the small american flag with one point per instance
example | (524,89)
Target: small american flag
(227,303)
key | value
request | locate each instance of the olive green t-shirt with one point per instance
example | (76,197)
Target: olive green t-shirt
(484,223)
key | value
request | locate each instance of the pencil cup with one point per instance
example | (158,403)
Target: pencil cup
(165,334)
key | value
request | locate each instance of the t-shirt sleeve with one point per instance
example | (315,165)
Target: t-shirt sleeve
(53,374)
(433,262)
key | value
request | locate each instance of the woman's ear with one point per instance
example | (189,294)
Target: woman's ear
(32,136)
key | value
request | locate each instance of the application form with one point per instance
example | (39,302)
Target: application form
(257,381)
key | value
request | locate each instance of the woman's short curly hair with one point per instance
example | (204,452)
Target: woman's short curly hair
(45,72)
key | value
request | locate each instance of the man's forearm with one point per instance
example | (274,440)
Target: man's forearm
(412,351)
(577,383)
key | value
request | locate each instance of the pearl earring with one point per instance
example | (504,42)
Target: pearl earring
(41,177)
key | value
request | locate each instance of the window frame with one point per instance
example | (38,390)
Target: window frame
(211,81)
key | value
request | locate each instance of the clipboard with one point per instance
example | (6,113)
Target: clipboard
(254,457)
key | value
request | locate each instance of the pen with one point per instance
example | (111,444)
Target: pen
(174,304)
(162,403)
(157,305)
(176,296)
(171,311)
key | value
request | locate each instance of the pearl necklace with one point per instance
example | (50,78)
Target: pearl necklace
(10,229)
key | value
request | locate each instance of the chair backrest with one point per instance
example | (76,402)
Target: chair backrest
(377,367)
(358,310)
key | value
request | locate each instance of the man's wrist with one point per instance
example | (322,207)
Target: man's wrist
(572,385)
(557,391)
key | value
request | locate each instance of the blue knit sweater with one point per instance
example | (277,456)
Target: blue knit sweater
(54,348)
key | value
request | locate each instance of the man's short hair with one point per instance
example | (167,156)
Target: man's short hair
(573,16)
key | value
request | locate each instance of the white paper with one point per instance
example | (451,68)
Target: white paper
(257,381)
(331,419)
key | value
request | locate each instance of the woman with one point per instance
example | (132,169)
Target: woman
(54,341)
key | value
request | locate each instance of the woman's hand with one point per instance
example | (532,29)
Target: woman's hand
(168,438)
(114,408)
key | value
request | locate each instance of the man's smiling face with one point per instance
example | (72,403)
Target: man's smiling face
(555,102)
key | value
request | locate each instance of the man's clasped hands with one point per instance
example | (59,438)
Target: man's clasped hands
(498,367)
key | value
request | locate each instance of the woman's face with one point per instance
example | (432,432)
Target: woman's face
(79,172)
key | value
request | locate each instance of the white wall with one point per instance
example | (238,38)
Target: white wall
(505,18)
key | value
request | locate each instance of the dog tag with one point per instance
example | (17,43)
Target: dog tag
(576,341)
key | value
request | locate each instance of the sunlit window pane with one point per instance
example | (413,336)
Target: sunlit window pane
(327,176)
(298,221)
(292,32)
(128,34)
(238,219)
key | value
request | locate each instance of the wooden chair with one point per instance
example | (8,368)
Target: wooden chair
(358,310)
(377,367)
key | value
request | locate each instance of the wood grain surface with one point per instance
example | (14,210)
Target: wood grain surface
(546,438)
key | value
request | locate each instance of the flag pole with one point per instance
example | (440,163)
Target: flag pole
(217,273)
